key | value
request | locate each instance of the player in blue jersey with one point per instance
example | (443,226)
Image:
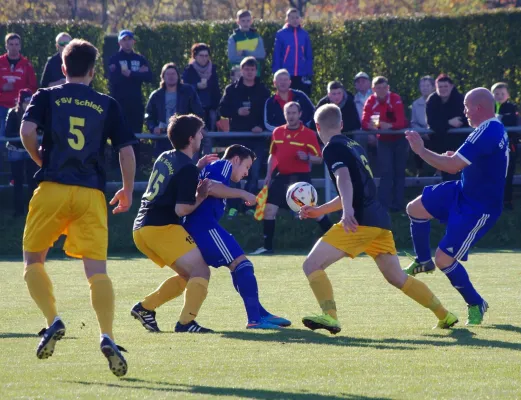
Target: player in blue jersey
(219,248)
(470,206)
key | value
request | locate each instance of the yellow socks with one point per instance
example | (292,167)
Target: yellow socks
(196,291)
(102,300)
(170,289)
(321,286)
(420,292)
(40,289)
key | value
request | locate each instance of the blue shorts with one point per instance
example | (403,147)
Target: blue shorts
(218,247)
(465,226)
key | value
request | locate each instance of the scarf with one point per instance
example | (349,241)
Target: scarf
(203,72)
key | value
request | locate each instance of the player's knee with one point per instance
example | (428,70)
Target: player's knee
(33,257)
(411,208)
(442,260)
(236,262)
(200,271)
(310,265)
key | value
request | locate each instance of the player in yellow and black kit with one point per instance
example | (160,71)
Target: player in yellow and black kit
(76,121)
(172,193)
(364,227)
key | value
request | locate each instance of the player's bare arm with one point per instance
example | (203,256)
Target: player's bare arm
(448,162)
(30,140)
(225,192)
(123,197)
(345,188)
(318,211)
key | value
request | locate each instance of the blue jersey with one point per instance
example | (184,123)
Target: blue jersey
(483,180)
(212,208)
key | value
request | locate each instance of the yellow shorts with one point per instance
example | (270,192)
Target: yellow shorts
(76,211)
(367,239)
(163,244)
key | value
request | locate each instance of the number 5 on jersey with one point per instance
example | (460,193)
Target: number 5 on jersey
(154,185)
(78,142)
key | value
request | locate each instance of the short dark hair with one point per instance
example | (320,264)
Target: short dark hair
(79,57)
(427,78)
(198,47)
(292,104)
(239,150)
(379,79)
(11,36)
(243,13)
(444,78)
(169,65)
(181,128)
(249,62)
(334,85)
(499,85)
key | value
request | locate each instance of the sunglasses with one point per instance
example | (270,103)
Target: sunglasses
(63,44)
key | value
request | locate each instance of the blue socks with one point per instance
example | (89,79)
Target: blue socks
(245,283)
(459,278)
(420,234)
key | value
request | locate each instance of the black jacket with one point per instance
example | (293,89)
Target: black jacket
(187,102)
(274,114)
(52,71)
(212,94)
(12,129)
(508,112)
(438,116)
(350,116)
(234,97)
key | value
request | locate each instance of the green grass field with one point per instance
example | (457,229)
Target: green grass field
(386,349)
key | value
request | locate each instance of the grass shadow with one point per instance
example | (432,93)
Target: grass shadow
(21,335)
(259,394)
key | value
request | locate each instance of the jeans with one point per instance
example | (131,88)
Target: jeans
(22,168)
(392,160)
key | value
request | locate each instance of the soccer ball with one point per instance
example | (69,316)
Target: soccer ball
(301,194)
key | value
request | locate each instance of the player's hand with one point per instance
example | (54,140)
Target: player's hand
(449,153)
(309,212)
(244,111)
(207,159)
(125,72)
(415,141)
(455,122)
(349,221)
(249,199)
(143,68)
(256,129)
(267,180)
(302,155)
(203,188)
(123,198)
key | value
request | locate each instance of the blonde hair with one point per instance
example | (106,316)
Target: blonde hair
(282,71)
(329,117)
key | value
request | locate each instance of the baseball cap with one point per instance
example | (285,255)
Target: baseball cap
(124,33)
(361,74)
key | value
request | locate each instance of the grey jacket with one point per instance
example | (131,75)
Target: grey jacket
(418,114)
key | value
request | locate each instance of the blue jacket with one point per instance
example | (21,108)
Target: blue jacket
(128,90)
(293,52)
(210,96)
(274,114)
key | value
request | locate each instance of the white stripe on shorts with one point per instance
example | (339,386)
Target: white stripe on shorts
(220,244)
(471,236)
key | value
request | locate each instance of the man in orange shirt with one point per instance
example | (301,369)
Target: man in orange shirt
(293,149)
(384,110)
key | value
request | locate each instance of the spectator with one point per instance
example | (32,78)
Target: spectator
(201,73)
(293,52)
(16,73)
(506,112)
(337,94)
(293,149)
(384,110)
(20,160)
(243,103)
(367,141)
(245,42)
(52,72)
(445,110)
(235,73)
(172,97)
(127,73)
(274,107)
(419,116)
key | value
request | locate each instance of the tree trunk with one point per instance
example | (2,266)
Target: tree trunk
(104,14)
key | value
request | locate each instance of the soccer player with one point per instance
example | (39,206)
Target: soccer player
(172,193)
(218,246)
(76,121)
(364,227)
(470,206)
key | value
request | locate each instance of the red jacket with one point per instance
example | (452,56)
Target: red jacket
(22,77)
(390,110)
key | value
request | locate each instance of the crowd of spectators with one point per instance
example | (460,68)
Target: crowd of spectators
(247,105)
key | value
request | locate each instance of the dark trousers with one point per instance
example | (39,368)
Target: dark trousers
(297,84)
(510,176)
(392,160)
(23,170)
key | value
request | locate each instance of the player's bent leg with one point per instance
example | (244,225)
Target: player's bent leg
(196,291)
(420,234)
(322,256)
(270,212)
(389,266)
(460,280)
